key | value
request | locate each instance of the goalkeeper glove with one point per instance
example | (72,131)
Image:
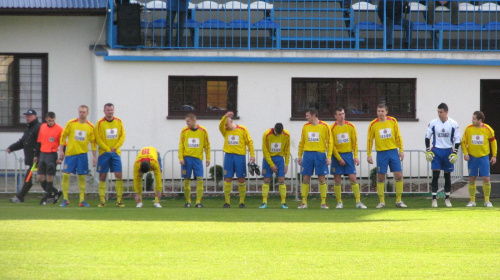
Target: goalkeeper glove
(453,157)
(429,155)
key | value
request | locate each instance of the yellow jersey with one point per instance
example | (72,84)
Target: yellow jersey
(476,141)
(317,138)
(78,136)
(276,145)
(193,142)
(236,141)
(109,134)
(345,138)
(150,154)
(386,135)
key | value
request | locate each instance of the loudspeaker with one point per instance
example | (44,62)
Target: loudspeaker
(129,24)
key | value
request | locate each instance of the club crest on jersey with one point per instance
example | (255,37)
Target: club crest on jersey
(313,137)
(111,134)
(193,142)
(80,135)
(478,139)
(385,133)
(233,140)
(51,139)
(275,147)
(342,138)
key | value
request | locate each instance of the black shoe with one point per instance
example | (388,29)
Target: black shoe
(57,196)
(242,205)
(44,200)
(226,205)
(253,168)
(187,205)
(199,205)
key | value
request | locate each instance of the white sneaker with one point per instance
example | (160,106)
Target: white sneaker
(434,203)
(302,206)
(488,204)
(471,204)
(447,202)
(380,205)
(340,205)
(361,205)
(157,205)
(324,206)
(401,204)
(139,205)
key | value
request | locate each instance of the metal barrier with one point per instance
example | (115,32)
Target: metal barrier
(11,172)
(314,24)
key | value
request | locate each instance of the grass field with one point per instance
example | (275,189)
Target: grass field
(47,242)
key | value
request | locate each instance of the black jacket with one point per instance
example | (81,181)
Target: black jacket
(28,142)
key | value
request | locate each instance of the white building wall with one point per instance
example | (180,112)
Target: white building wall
(66,39)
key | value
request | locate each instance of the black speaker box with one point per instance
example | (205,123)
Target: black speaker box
(129,24)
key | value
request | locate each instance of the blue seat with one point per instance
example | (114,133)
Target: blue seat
(191,23)
(494,25)
(446,26)
(159,23)
(469,26)
(266,24)
(368,25)
(238,24)
(421,26)
(214,23)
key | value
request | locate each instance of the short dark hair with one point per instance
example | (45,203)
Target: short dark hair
(145,166)
(382,105)
(443,106)
(108,105)
(278,128)
(51,115)
(479,115)
(339,109)
(313,111)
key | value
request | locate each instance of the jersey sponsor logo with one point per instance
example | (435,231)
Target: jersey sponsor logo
(80,135)
(111,133)
(233,140)
(477,139)
(385,133)
(275,147)
(342,138)
(51,139)
(313,136)
(193,143)
(443,133)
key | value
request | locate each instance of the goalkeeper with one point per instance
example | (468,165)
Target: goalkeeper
(443,154)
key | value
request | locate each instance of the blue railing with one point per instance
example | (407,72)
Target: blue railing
(312,24)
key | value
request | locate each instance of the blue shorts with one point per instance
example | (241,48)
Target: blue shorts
(314,161)
(279,161)
(441,160)
(348,168)
(234,163)
(78,164)
(479,166)
(388,158)
(192,165)
(108,161)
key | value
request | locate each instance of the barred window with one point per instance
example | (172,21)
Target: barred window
(206,97)
(23,86)
(359,97)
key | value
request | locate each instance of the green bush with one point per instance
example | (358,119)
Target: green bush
(216,172)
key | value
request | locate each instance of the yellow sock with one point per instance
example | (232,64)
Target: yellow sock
(322,192)
(356,191)
(486,191)
(380,191)
(242,189)
(102,191)
(265,192)
(81,187)
(227,191)
(399,190)
(187,190)
(199,190)
(472,191)
(119,190)
(283,193)
(304,189)
(337,188)
(157,199)
(65,185)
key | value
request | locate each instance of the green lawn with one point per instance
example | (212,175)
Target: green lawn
(47,242)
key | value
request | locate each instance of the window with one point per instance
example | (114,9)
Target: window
(359,97)
(23,86)
(208,97)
